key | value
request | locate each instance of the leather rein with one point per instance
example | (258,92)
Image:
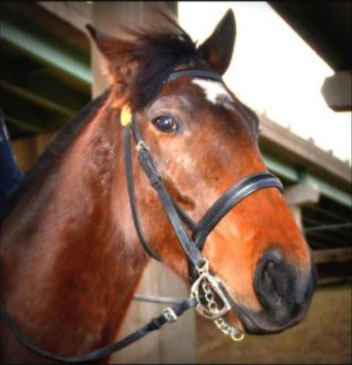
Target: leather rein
(208,293)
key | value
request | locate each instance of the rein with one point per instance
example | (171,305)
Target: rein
(208,294)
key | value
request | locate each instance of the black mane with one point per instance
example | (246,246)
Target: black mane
(54,149)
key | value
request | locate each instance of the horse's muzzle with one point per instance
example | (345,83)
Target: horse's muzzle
(283,292)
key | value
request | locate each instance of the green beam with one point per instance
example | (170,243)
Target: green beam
(25,125)
(280,168)
(286,170)
(37,99)
(45,52)
(329,190)
(53,89)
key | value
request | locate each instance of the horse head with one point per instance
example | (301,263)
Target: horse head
(203,140)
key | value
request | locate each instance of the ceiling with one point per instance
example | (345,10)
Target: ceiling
(45,70)
(324,25)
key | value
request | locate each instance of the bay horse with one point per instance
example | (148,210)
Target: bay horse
(71,253)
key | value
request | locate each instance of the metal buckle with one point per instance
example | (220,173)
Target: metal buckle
(202,309)
(141,145)
(170,314)
(204,267)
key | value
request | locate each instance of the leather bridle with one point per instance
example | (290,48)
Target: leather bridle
(208,292)
(193,244)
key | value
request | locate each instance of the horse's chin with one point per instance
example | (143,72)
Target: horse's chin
(264,320)
(260,322)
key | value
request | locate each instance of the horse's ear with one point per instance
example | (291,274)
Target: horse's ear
(217,49)
(119,59)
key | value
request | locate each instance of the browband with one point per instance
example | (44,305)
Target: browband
(194,73)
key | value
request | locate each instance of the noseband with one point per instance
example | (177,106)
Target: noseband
(208,293)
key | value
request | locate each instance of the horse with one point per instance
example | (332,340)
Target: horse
(71,252)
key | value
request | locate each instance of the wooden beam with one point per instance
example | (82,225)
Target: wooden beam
(298,195)
(280,167)
(279,141)
(332,255)
(76,13)
(28,125)
(291,172)
(49,53)
(302,194)
(330,190)
(296,212)
(336,90)
(337,270)
(37,99)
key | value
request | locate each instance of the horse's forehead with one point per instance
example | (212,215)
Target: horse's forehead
(215,92)
(189,94)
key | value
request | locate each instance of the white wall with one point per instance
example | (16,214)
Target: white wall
(274,71)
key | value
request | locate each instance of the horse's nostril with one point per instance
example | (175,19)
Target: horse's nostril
(283,291)
(273,279)
(270,283)
(269,270)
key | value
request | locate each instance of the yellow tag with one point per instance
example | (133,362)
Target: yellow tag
(126,116)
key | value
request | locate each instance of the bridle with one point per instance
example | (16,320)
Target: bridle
(208,293)
(204,284)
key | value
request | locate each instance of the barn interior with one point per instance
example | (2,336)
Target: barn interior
(49,71)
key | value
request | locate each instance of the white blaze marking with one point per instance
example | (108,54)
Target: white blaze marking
(214,91)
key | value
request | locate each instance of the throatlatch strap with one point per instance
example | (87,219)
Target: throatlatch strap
(168,315)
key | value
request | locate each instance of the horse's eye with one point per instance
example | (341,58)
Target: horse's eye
(166,124)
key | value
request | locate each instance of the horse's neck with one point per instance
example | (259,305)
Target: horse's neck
(69,262)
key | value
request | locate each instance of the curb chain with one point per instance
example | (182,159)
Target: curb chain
(233,332)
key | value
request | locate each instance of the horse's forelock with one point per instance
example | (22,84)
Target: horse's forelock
(149,58)
(159,56)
